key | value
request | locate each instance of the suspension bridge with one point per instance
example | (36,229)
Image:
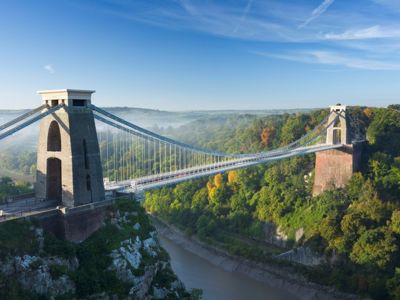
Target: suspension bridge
(85,152)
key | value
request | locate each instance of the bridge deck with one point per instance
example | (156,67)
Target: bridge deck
(155,181)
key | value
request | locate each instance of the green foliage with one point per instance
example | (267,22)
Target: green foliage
(10,188)
(384,131)
(393,285)
(358,224)
(57,271)
(15,159)
(395,226)
(375,248)
(57,247)
(17,238)
(164,278)
(36,264)
(196,294)
(93,274)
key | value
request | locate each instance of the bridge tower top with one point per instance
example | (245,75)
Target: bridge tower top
(338,108)
(68,97)
(338,132)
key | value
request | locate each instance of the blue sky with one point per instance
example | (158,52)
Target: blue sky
(202,54)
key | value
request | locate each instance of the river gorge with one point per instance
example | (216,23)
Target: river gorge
(217,283)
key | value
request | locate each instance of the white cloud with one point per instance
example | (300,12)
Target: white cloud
(331,58)
(244,15)
(317,12)
(271,20)
(390,4)
(49,68)
(373,32)
(348,33)
(334,59)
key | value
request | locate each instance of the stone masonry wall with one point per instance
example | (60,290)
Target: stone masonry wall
(334,168)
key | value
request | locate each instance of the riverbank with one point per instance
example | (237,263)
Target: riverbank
(281,278)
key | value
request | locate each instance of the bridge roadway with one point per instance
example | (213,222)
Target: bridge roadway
(169,178)
(24,208)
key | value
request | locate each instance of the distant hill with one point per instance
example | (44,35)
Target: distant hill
(158,118)
(148,118)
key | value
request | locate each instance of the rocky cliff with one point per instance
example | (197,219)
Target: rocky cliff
(122,260)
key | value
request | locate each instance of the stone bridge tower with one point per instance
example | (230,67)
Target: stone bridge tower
(334,168)
(68,165)
(68,158)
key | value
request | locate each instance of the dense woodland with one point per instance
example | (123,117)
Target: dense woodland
(357,227)
(18,159)
(10,188)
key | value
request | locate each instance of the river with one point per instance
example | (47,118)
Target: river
(216,283)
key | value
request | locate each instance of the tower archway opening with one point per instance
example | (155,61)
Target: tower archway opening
(54,137)
(54,180)
(337,136)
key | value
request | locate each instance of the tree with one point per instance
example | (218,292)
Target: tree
(354,186)
(6,181)
(205,226)
(293,128)
(232,176)
(395,224)
(200,199)
(374,248)
(329,228)
(266,136)
(370,206)
(352,225)
(368,112)
(394,106)
(196,294)
(393,285)
(218,180)
(384,131)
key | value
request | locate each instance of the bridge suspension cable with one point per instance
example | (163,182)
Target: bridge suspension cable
(22,117)
(28,122)
(139,155)
(121,123)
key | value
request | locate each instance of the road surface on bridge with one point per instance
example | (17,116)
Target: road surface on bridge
(25,207)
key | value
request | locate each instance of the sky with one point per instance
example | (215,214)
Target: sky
(202,54)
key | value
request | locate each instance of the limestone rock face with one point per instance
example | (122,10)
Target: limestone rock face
(299,234)
(130,267)
(34,273)
(135,263)
(159,293)
(274,235)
